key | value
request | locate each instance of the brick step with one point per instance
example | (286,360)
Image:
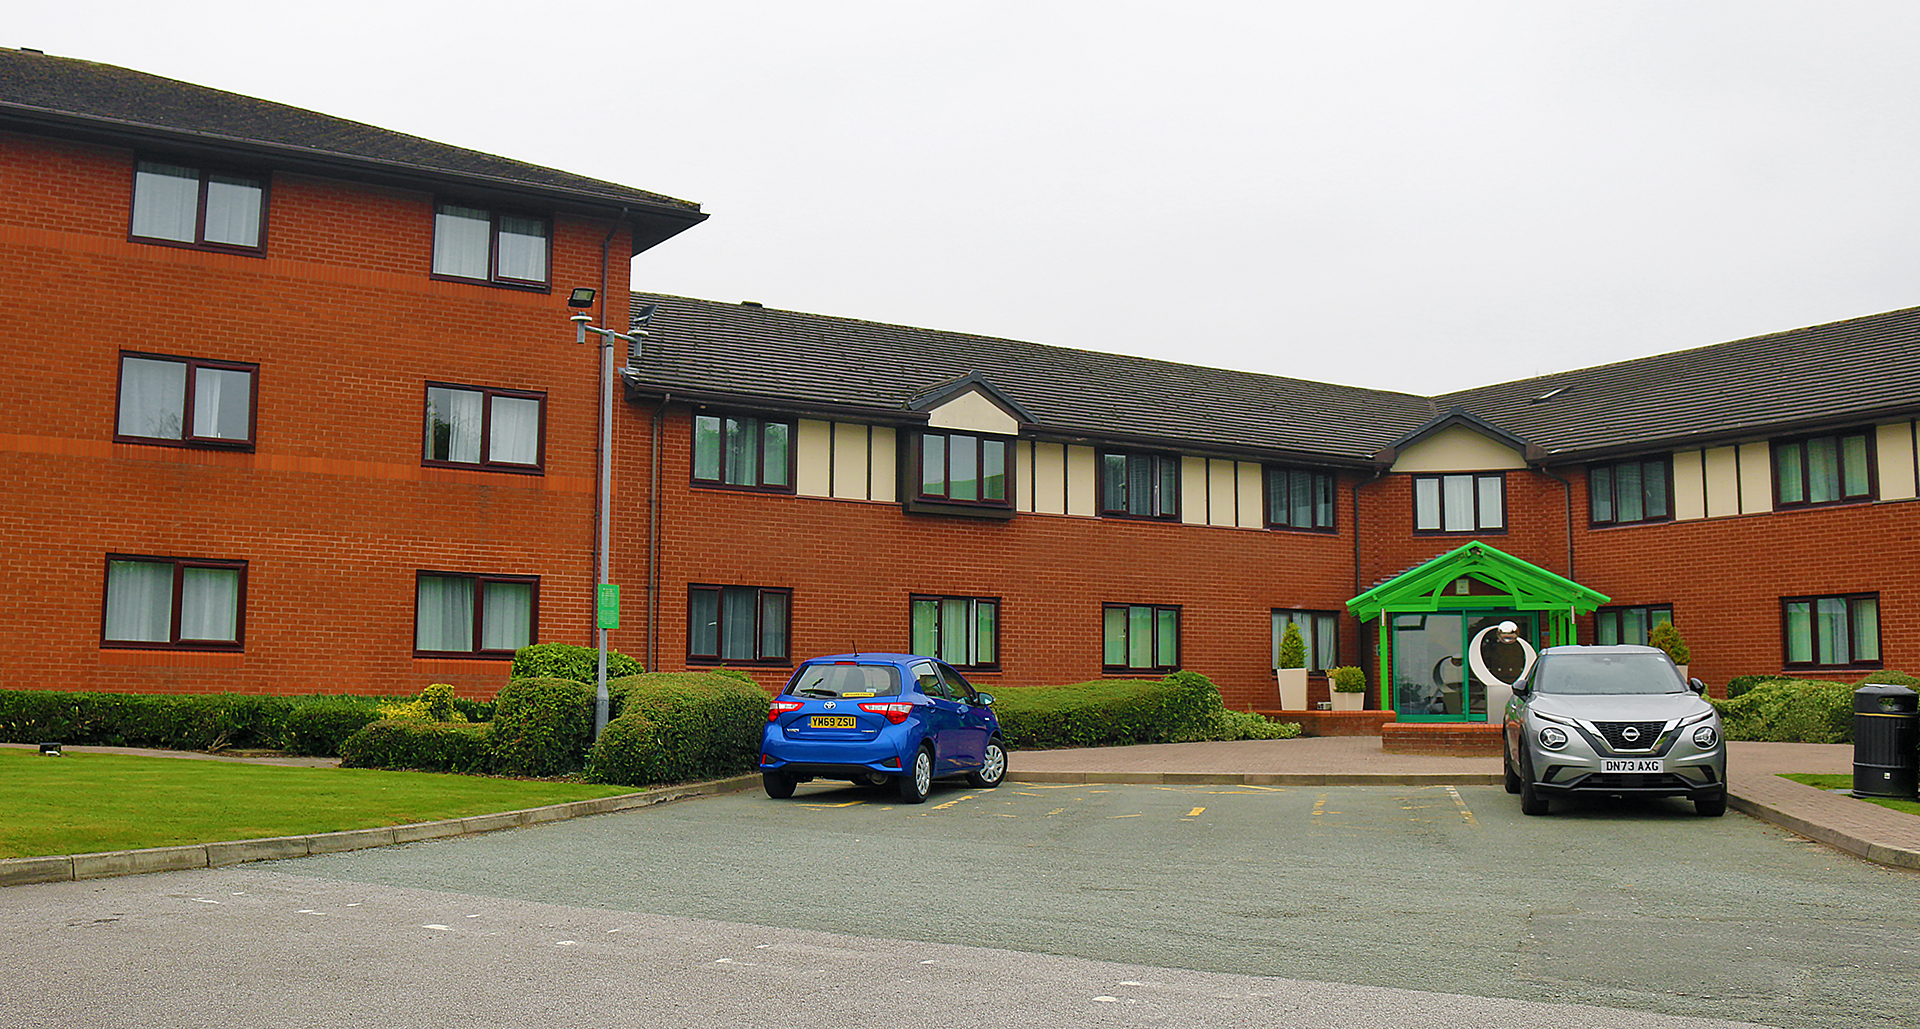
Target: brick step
(1459,739)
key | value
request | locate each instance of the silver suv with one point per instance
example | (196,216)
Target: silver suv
(1613,721)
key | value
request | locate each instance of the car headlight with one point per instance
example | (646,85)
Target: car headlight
(1553,737)
(1705,737)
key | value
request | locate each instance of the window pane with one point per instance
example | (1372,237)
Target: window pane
(461,239)
(1300,493)
(1277,505)
(453,425)
(443,617)
(1787,474)
(1600,492)
(774,451)
(1823,470)
(963,473)
(1139,637)
(514,437)
(1628,492)
(933,466)
(922,630)
(1800,632)
(1114,633)
(1654,476)
(506,615)
(954,618)
(1167,500)
(1426,503)
(1326,642)
(1113,485)
(706,447)
(1280,621)
(703,623)
(523,248)
(743,451)
(1866,628)
(222,403)
(1323,501)
(986,648)
(738,609)
(1853,466)
(233,210)
(1606,628)
(1139,484)
(1457,492)
(773,624)
(1834,643)
(166,200)
(993,469)
(1167,638)
(153,397)
(140,601)
(210,604)
(1633,626)
(1492,513)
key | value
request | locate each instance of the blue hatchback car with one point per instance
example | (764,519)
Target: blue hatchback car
(879,718)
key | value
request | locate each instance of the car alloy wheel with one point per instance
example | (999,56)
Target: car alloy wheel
(918,781)
(993,767)
(1531,800)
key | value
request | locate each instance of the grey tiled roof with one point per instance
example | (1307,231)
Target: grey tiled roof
(1827,375)
(42,89)
(814,361)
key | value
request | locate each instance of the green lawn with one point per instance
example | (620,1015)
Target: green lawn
(1845,782)
(82,803)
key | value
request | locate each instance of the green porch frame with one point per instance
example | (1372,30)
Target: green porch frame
(1471,578)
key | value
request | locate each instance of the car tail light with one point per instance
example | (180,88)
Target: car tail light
(896,712)
(781,707)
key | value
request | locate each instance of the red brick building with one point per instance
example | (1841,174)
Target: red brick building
(333,433)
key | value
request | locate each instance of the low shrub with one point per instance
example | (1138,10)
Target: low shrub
(1109,712)
(1227,724)
(1740,684)
(171,721)
(1347,679)
(318,725)
(679,726)
(414,744)
(434,704)
(1891,677)
(1790,711)
(566,661)
(541,727)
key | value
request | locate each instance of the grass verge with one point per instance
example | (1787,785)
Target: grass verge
(1845,782)
(83,803)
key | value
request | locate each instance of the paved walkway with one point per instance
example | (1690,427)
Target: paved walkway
(1753,773)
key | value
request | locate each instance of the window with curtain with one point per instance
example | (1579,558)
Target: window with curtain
(1630,492)
(178,603)
(482,245)
(1630,625)
(1134,485)
(185,401)
(743,452)
(739,624)
(1319,630)
(1838,631)
(1467,502)
(184,205)
(959,468)
(962,631)
(1299,498)
(494,429)
(1829,469)
(487,616)
(1140,638)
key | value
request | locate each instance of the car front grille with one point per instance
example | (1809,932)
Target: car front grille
(1630,736)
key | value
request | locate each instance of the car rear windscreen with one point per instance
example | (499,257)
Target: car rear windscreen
(848,680)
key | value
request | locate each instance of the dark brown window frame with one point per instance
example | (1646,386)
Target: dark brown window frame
(1813,628)
(199,241)
(494,278)
(486,462)
(937,598)
(193,364)
(918,483)
(480,582)
(1616,610)
(1870,440)
(1665,461)
(1479,520)
(1272,472)
(759,485)
(1179,645)
(1320,667)
(1167,513)
(180,565)
(719,635)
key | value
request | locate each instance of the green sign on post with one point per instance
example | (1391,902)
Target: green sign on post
(608,606)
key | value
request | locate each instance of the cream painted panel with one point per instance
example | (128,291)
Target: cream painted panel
(972,412)
(1895,447)
(1221,502)
(1756,478)
(813,454)
(883,474)
(1082,479)
(1049,478)
(1689,486)
(1720,470)
(1253,514)
(1195,490)
(849,461)
(1458,449)
(1022,472)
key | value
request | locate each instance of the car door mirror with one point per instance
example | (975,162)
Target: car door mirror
(1697,686)
(984,699)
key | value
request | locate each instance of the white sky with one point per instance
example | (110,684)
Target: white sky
(1417,196)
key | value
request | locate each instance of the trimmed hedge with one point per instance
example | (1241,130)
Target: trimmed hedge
(679,726)
(542,727)
(171,721)
(318,725)
(1183,707)
(413,744)
(1740,684)
(566,661)
(1790,711)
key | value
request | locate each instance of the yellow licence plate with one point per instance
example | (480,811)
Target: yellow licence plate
(833,722)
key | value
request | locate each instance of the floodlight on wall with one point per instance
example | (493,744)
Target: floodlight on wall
(582,297)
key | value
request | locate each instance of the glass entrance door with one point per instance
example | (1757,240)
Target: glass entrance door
(1432,678)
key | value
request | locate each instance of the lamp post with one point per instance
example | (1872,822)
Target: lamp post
(582,323)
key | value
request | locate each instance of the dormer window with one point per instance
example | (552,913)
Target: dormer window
(963,468)
(489,246)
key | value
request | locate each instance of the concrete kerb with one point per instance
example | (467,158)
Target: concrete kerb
(1260,778)
(64,868)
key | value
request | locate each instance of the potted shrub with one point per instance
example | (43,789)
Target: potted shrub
(1292,671)
(1349,688)
(1667,638)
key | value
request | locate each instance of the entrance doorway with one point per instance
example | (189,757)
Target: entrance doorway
(1433,680)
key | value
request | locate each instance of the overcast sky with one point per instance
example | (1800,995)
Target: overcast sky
(1419,196)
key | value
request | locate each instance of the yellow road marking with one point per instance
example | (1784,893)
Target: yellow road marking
(950,803)
(1464,812)
(1056,811)
(848,803)
(1195,811)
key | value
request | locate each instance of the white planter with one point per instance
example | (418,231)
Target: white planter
(1293,688)
(1349,701)
(1683,672)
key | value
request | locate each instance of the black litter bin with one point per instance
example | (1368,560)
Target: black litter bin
(1886,733)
